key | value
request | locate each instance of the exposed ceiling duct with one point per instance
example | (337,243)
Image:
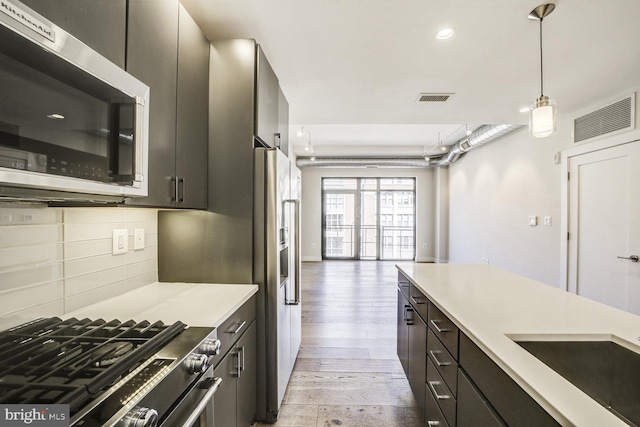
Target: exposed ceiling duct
(478,137)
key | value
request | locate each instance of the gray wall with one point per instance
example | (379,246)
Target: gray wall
(495,188)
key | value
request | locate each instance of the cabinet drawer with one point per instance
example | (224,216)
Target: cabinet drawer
(473,408)
(233,328)
(443,361)
(418,301)
(403,285)
(443,396)
(510,401)
(444,329)
(433,415)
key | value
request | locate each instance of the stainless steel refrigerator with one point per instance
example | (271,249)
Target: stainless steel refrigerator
(258,243)
(277,267)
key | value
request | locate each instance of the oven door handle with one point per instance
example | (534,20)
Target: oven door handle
(215,384)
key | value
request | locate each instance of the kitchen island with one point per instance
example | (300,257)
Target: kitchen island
(495,308)
(194,304)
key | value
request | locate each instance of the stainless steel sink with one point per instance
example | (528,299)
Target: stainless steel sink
(605,370)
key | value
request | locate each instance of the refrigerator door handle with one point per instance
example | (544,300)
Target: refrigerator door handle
(296,252)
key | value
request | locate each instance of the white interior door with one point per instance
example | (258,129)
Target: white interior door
(604,224)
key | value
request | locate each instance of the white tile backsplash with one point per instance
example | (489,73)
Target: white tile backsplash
(56,260)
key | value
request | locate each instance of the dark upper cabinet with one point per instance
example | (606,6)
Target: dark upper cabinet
(283,122)
(100,24)
(167,51)
(193,114)
(267,102)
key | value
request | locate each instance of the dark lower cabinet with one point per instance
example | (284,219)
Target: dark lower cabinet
(234,403)
(402,335)
(418,359)
(412,347)
(454,382)
(433,415)
(509,400)
(473,408)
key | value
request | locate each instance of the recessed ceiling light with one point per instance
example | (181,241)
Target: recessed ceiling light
(445,33)
(55,116)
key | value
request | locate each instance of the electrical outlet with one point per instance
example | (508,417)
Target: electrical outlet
(120,241)
(138,239)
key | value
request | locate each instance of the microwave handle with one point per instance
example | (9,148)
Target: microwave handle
(139,154)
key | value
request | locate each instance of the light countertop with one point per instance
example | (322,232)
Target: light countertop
(195,304)
(493,307)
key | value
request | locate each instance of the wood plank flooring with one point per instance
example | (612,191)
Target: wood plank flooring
(347,373)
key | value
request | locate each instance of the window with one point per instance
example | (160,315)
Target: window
(334,220)
(335,202)
(368,218)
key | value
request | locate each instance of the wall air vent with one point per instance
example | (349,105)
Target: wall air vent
(615,117)
(433,97)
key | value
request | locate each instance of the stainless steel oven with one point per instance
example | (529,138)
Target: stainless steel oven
(71,121)
(112,374)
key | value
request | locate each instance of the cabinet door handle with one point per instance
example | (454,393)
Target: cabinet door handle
(240,326)
(238,370)
(435,358)
(242,358)
(174,196)
(408,320)
(438,328)
(180,190)
(432,386)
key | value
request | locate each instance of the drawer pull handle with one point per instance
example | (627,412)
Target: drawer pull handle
(240,326)
(408,320)
(438,328)
(417,301)
(433,423)
(432,386)
(435,358)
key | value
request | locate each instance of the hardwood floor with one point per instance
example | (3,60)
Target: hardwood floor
(347,372)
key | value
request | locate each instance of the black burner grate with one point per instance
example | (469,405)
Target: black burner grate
(70,361)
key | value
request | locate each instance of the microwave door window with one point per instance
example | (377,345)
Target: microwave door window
(72,131)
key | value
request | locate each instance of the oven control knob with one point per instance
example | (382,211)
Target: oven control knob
(197,363)
(142,417)
(211,347)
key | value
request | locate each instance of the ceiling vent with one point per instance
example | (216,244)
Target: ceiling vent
(433,97)
(615,117)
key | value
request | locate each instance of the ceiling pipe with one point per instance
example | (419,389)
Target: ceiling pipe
(483,135)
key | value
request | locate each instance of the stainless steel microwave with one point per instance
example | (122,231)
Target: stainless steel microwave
(73,125)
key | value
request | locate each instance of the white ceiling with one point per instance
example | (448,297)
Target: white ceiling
(352,70)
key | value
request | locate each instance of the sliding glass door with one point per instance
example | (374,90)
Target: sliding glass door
(368,218)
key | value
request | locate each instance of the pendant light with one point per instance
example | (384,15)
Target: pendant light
(542,114)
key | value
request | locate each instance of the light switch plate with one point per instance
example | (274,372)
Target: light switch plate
(138,239)
(547,220)
(120,241)
(533,220)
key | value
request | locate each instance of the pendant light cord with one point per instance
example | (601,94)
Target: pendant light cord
(541,73)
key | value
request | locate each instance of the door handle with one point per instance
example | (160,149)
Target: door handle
(632,258)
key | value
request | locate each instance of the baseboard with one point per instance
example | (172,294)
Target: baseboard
(311,259)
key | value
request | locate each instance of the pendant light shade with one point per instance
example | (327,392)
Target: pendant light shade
(542,117)
(542,114)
